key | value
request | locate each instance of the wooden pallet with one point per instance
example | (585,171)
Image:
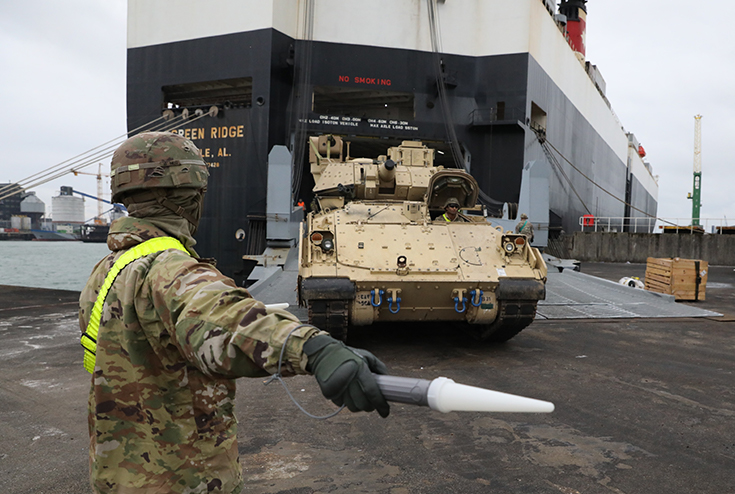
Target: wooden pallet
(685,279)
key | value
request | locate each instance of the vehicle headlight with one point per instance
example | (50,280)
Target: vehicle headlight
(327,245)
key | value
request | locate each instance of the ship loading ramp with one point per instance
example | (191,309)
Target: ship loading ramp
(570,294)
(575,295)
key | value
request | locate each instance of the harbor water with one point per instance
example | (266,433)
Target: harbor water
(55,265)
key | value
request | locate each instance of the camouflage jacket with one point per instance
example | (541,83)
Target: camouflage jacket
(443,219)
(174,335)
(525,227)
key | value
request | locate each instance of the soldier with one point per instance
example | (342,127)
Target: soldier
(525,227)
(166,334)
(451,211)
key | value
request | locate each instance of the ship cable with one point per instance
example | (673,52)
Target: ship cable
(441,84)
(302,72)
(47,171)
(3,189)
(439,67)
(57,171)
(90,157)
(557,166)
(545,142)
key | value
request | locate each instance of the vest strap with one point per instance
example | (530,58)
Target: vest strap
(89,337)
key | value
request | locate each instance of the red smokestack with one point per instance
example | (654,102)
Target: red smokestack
(576,13)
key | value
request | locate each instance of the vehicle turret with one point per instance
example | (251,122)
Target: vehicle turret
(407,173)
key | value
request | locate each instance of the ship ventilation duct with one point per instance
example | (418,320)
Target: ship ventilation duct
(576,14)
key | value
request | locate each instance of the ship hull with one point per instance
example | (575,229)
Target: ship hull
(94,233)
(377,96)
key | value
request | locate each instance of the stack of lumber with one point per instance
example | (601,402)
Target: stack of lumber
(685,279)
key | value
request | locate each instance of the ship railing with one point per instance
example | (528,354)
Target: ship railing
(644,224)
(632,224)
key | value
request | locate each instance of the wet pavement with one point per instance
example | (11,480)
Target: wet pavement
(642,406)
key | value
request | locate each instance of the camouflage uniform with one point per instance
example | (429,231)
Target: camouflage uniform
(174,335)
(525,227)
(445,219)
(460,218)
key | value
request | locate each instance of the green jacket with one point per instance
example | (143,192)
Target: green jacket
(174,335)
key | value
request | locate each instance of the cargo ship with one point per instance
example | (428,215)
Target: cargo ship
(494,86)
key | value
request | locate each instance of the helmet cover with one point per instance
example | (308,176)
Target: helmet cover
(156,160)
(451,200)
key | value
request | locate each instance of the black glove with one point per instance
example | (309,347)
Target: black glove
(345,375)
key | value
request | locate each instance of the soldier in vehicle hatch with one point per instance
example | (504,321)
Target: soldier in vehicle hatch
(525,227)
(451,211)
(165,334)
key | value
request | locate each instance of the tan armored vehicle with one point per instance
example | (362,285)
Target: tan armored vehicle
(376,248)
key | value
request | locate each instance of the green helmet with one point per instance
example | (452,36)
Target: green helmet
(156,160)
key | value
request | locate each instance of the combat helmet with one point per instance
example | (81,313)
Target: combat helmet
(451,200)
(156,160)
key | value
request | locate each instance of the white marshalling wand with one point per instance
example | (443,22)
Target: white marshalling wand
(279,306)
(445,395)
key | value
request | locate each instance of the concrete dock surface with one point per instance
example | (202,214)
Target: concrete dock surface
(642,406)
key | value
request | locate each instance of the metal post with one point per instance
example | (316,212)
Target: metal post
(696,188)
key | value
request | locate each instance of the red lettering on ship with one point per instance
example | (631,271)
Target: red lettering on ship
(373,81)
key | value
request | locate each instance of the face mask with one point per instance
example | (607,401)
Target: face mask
(196,210)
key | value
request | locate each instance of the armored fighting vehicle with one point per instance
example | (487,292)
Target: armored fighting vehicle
(376,248)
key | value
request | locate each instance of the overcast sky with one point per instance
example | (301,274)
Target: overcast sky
(62,81)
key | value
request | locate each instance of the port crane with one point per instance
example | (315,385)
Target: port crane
(99,175)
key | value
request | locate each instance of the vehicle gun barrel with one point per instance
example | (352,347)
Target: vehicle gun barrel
(445,395)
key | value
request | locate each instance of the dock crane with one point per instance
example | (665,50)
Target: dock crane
(695,195)
(99,175)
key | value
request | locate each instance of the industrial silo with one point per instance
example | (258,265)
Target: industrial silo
(66,208)
(34,208)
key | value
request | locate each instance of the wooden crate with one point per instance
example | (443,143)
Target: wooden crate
(685,279)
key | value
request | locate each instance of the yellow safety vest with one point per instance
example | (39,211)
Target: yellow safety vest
(89,337)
